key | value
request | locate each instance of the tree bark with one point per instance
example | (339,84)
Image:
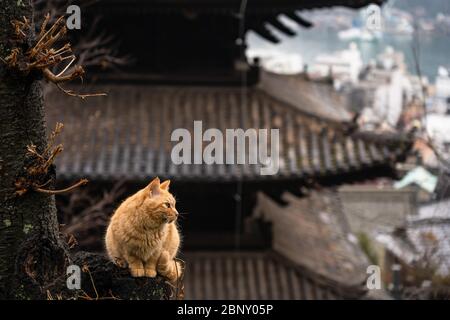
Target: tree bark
(102,280)
(31,252)
(33,257)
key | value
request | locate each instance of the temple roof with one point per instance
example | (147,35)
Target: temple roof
(127,134)
(313,232)
(254,4)
(311,256)
(315,98)
(257,275)
(257,12)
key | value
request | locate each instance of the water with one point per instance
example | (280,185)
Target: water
(434,49)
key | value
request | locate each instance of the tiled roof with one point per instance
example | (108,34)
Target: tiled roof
(256,275)
(313,232)
(263,4)
(424,237)
(127,133)
(312,97)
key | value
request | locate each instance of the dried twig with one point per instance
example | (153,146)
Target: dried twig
(82,96)
(72,241)
(86,214)
(36,172)
(86,269)
(45,54)
(80,183)
(86,296)
(95,48)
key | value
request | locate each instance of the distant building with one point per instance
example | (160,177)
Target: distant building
(386,88)
(442,94)
(276,61)
(343,66)
(438,128)
(421,246)
(371,208)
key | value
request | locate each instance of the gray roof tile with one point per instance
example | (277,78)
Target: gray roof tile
(127,133)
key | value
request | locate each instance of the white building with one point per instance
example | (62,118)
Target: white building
(392,89)
(342,66)
(442,96)
(277,61)
(438,128)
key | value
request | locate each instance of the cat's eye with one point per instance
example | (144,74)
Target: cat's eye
(167,204)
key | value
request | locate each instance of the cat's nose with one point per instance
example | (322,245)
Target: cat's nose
(176,213)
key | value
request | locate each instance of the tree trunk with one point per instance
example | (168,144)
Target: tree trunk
(31,253)
(33,258)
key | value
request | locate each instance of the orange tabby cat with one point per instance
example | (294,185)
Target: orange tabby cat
(143,233)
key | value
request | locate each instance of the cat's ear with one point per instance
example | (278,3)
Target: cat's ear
(154,187)
(165,185)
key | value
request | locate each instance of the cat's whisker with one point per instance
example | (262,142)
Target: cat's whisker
(182,215)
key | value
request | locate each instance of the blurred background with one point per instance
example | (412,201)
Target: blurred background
(360,92)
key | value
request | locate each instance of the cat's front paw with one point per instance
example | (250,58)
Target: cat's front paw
(121,263)
(137,273)
(151,273)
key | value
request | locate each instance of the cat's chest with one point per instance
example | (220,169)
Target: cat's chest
(148,243)
(153,241)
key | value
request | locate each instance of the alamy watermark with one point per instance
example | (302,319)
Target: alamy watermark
(73,273)
(73,20)
(373,18)
(374,279)
(236,150)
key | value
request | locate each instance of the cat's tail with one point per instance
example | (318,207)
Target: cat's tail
(168,267)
